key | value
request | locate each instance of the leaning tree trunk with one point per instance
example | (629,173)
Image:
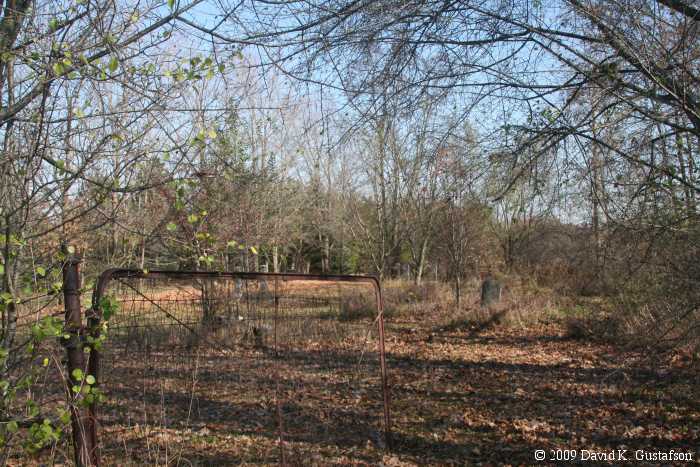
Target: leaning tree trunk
(420,267)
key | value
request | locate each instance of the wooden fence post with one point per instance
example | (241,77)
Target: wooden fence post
(73,341)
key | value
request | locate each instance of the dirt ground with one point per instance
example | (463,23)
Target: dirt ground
(496,397)
(458,397)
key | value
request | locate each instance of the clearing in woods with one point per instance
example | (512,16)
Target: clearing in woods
(458,397)
(496,397)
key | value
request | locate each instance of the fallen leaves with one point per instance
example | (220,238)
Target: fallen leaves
(459,399)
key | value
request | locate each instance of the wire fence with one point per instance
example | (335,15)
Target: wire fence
(210,369)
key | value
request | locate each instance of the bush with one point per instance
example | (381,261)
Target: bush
(357,307)
(402,296)
(591,323)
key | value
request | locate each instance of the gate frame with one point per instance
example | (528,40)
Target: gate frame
(94,318)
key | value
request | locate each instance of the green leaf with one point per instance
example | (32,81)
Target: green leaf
(33,409)
(113,64)
(171,4)
(77,374)
(109,306)
(90,379)
(40,271)
(53,24)
(57,68)
(64,416)
(12,426)
(192,218)
(2,269)
(45,362)
(171,227)
(253,250)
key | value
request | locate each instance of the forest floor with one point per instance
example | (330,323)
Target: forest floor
(495,397)
(459,396)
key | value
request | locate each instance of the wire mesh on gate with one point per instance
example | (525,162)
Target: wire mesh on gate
(214,368)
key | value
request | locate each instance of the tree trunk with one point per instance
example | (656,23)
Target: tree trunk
(421,262)
(596,195)
(9,314)
(142,262)
(275,259)
(326,263)
(458,290)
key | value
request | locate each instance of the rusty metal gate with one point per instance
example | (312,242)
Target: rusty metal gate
(208,368)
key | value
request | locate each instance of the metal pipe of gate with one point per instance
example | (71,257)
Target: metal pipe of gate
(116,273)
(382,362)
